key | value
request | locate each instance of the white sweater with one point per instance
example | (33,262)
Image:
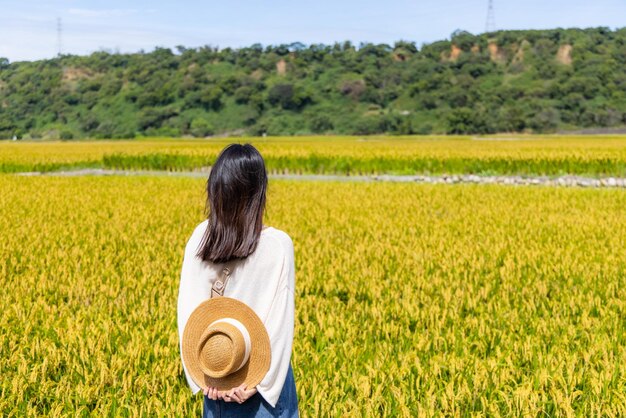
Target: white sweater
(265,281)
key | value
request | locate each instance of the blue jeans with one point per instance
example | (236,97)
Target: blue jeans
(256,406)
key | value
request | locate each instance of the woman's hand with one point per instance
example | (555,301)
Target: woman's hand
(239,394)
(212,393)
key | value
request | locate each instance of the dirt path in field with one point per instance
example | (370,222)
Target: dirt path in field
(566,181)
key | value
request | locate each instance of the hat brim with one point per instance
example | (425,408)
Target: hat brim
(206,313)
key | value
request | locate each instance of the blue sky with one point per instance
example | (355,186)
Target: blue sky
(28,29)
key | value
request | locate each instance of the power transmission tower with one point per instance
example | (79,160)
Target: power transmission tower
(59,37)
(490,24)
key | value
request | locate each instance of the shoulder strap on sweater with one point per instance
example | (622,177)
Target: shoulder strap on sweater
(220,283)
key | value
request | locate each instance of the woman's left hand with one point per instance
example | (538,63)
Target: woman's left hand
(213,393)
(239,394)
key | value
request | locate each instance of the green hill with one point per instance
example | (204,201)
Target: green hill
(507,81)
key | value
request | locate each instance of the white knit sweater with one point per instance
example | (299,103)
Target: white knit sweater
(265,281)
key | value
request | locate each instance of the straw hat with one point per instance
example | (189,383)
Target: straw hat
(225,345)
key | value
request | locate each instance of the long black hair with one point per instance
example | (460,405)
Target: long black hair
(235,204)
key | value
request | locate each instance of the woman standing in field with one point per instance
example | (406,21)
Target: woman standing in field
(234,253)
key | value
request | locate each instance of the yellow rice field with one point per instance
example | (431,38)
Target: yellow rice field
(411,300)
(530,155)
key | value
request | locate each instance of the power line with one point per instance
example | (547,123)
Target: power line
(490,24)
(59,37)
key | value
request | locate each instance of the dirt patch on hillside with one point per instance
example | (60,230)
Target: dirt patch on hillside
(452,55)
(399,56)
(455,51)
(75,74)
(495,54)
(281,67)
(564,54)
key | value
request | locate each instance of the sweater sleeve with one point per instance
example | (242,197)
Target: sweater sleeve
(190,294)
(280,327)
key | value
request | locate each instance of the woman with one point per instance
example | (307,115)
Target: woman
(262,275)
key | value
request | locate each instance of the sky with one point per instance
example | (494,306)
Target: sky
(29,29)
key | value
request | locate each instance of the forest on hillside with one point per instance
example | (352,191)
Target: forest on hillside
(506,81)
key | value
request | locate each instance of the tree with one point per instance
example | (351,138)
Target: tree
(201,128)
(288,96)
(336,88)
(467,121)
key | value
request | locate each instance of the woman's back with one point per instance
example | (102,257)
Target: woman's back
(264,280)
(256,268)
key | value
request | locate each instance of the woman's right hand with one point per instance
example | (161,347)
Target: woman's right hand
(239,394)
